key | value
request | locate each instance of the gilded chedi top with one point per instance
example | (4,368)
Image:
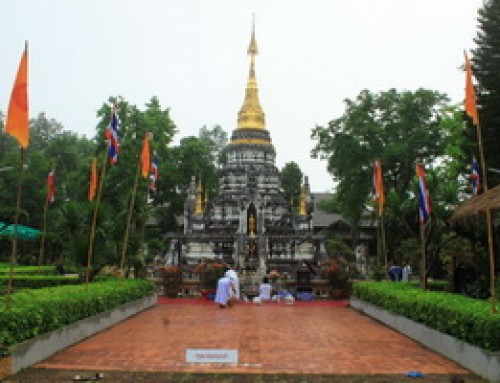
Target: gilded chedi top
(251,115)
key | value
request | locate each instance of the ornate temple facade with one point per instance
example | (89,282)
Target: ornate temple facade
(249,224)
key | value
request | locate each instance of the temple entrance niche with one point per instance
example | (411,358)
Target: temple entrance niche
(252,244)
(251,221)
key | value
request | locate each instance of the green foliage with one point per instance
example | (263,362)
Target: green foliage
(27,270)
(336,271)
(433,285)
(291,181)
(335,246)
(399,128)
(195,158)
(37,281)
(171,276)
(216,141)
(35,312)
(461,317)
(485,61)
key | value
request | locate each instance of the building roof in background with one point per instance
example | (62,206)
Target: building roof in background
(322,219)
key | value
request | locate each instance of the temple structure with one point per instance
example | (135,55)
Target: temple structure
(249,224)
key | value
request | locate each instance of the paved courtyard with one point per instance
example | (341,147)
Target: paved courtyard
(307,338)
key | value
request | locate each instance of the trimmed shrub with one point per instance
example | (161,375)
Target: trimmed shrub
(35,312)
(461,317)
(27,270)
(38,281)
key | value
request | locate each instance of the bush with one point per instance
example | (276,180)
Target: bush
(37,282)
(461,317)
(336,271)
(27,270)
(171,277)
(210,271)
(35,312)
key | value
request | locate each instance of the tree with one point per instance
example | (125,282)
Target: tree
(194,159)
(42,130)
(118,190)
(291,182)
(399,129)
(486,61)
(216,140)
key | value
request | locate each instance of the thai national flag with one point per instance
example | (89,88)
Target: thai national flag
(51,187)
(476,186)
(424,202)
(111,135)
(155,164)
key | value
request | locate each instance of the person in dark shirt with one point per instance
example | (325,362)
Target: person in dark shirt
(395,272)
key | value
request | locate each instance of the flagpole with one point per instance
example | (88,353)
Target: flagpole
(471,110)
(129,217)
(423,272)
(44,231)
(42,241)
(489,223)
(382,233)
(94,219)
(14,238)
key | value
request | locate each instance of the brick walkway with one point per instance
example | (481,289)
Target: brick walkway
(272,338)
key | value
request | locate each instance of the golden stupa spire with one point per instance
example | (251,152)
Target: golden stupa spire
(251,115)
(198,208)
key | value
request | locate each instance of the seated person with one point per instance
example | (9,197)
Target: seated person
(235,293)
(265,290)
(223,292)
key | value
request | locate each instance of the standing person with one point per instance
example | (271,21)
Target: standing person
(406,273)
(236,283)
(265,290)
(224,287)
(395,272)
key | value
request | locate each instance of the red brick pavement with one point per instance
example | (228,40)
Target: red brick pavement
(272,338)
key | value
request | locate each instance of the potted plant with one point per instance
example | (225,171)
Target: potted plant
(210,270)
(171,279)
(336,271)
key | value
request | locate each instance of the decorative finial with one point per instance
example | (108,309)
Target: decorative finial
(198,209)
(251,115)
(302,206)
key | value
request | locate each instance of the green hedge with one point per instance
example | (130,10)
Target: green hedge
(27,270)
(35,312)
(38,281)
(433,285)
(461,317)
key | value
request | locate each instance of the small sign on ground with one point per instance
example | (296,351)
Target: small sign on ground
(208,355)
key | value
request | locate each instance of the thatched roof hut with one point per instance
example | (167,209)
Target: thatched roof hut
(471,208)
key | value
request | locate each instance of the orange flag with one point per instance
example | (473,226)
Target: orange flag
(378,186)
(17,124)
(93,179)
(470,94)
(145,157)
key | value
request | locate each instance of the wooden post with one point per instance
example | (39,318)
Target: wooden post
(94,220)
(489,223)
(423,271)
(13,252)
(42,240)
(129,217)
(384,247)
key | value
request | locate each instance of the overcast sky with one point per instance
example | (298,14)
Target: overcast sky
(192,55)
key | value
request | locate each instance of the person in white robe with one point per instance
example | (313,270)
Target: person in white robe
(235,292)
(224,287)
